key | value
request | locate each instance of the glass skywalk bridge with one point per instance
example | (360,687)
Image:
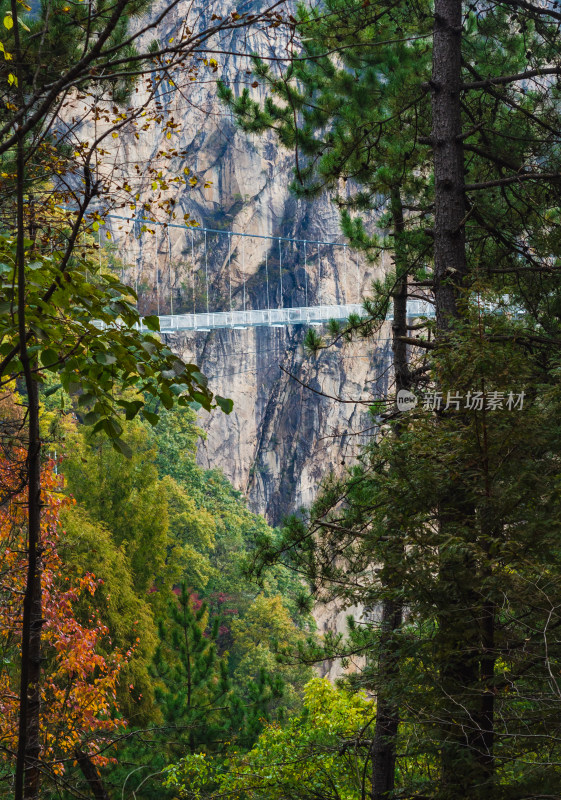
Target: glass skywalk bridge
(276,317)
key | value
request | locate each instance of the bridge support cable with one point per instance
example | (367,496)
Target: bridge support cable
(230,266)
(157,271)
(169,272)
(193,268)
(345,283)
(305,274)
(243,275)
(267,279)
(319,277)
(281,305)
(315,290)
(206,272)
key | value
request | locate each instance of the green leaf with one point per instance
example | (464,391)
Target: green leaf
(91,418)
(105,358)
(53,389)
(225,403)
(85,399)
(49,358)
(152,418)
(122,447)
(167,401)
(152,322)
(132,407)
(111,427)
(149,346)
(201,379)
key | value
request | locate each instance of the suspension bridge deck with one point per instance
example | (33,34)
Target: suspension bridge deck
(276,317)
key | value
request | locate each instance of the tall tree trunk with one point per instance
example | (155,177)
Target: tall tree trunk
(29,747)
(450,204)
(383,752)
(465,628)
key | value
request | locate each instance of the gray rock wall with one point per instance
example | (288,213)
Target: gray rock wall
(282,438)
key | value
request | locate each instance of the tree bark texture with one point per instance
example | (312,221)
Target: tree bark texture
(27,777)
(450,205)
(91,774)
(387,709)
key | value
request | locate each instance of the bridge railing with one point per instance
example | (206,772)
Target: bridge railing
(273,316)
(304,315)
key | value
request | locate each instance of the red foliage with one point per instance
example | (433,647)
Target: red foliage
(79,683)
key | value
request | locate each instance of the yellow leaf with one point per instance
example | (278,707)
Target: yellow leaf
(12,80)
(108,235)
(154,185)
(115,135)
(8,22)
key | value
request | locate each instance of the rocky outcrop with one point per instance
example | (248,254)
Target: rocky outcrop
(295,418)
(283,435)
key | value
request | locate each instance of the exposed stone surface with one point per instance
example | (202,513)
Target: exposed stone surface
(282,438)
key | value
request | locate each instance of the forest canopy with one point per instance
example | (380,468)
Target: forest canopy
(155,634)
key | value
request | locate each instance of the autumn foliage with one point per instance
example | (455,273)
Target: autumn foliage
(79,710)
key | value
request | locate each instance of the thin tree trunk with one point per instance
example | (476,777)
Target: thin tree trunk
(27,777)
(91,774)
(383,752)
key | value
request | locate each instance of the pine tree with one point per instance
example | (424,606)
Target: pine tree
(483,189)
(193,688)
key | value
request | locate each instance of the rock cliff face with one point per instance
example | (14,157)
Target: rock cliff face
(282,437)
(294,418)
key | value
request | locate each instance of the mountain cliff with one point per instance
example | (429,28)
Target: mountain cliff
(294,418)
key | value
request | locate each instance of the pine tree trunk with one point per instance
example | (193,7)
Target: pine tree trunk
(450,205)
(387,710)
(466,752)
